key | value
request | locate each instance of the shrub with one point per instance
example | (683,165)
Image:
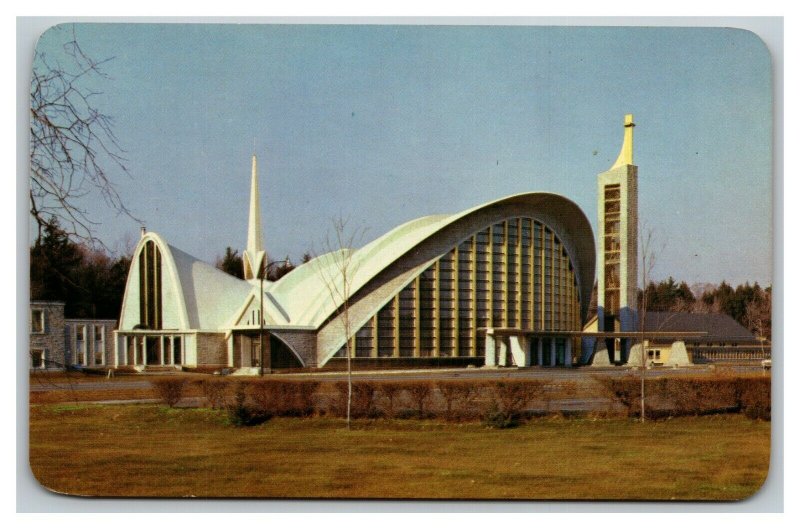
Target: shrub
(692,395)
(304,397)
(263,394)
(240,414)
(390,392)
(214,391)
(560,389)
(286,398)
(509,400)
(340,404)
(624,390)
(362,403)
(494,418)
(169,390)
(457,395)
(756,397)
(419,391)
(364,399)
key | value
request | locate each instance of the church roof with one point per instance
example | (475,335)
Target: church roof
(209,299)
(304,293)
(720,327)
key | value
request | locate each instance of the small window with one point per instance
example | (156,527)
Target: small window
(37,321)
(98,333)
(80,333)
(176,350)
(37,359)
(658,355)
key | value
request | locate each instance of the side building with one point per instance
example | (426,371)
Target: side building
(57,343)
(47,343)
(722,340)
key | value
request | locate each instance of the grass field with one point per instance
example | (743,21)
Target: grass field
(149,450)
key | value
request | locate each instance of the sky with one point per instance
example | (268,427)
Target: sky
(384,124)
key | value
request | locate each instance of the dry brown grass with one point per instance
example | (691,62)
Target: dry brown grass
(148,450)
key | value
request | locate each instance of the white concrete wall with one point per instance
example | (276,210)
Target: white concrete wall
(130,305)
(190,349)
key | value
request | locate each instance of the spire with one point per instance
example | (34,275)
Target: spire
(254,255)
(626,153)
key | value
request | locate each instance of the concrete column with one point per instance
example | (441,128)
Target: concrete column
(161,348)
(520,350)
(230,345)
(502,360)
(568,353)
(124,352)
(539,352)
(490,349)
(552,352)
(90,345)
(144,350)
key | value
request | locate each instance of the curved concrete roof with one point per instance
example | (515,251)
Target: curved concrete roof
(400,259)
(212,299)
(202,297)
(210,295)
(305,294)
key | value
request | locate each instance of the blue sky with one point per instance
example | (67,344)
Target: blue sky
(388,123)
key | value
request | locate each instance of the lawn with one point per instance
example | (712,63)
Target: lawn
(150,450)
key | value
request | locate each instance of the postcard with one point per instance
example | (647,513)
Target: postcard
(399,261)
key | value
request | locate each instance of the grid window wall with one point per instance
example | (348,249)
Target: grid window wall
(515,273)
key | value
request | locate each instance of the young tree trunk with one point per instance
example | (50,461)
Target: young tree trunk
(642,396)
(349,379)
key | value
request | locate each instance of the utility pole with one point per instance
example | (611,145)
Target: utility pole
(261,273)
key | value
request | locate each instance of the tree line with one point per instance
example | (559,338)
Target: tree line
(91,283)
(750,305)
(88,280)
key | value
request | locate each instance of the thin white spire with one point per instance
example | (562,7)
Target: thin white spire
(254,255)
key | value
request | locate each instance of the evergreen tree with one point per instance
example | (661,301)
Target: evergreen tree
(231,263)
(55,263)
(278,269)
(89,282)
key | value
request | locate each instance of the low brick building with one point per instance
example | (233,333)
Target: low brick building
(47,335)
(57,342)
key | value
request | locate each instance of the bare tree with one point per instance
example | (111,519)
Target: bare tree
(647,263)
(72,142)
(337,268)
(758,313)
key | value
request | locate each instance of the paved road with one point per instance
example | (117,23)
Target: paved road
(584,373)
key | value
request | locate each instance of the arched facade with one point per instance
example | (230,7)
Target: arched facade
(524,262)
(513,273)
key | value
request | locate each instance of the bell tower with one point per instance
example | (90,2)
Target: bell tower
(618,217)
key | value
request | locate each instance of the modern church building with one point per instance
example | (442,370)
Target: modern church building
(507,282)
